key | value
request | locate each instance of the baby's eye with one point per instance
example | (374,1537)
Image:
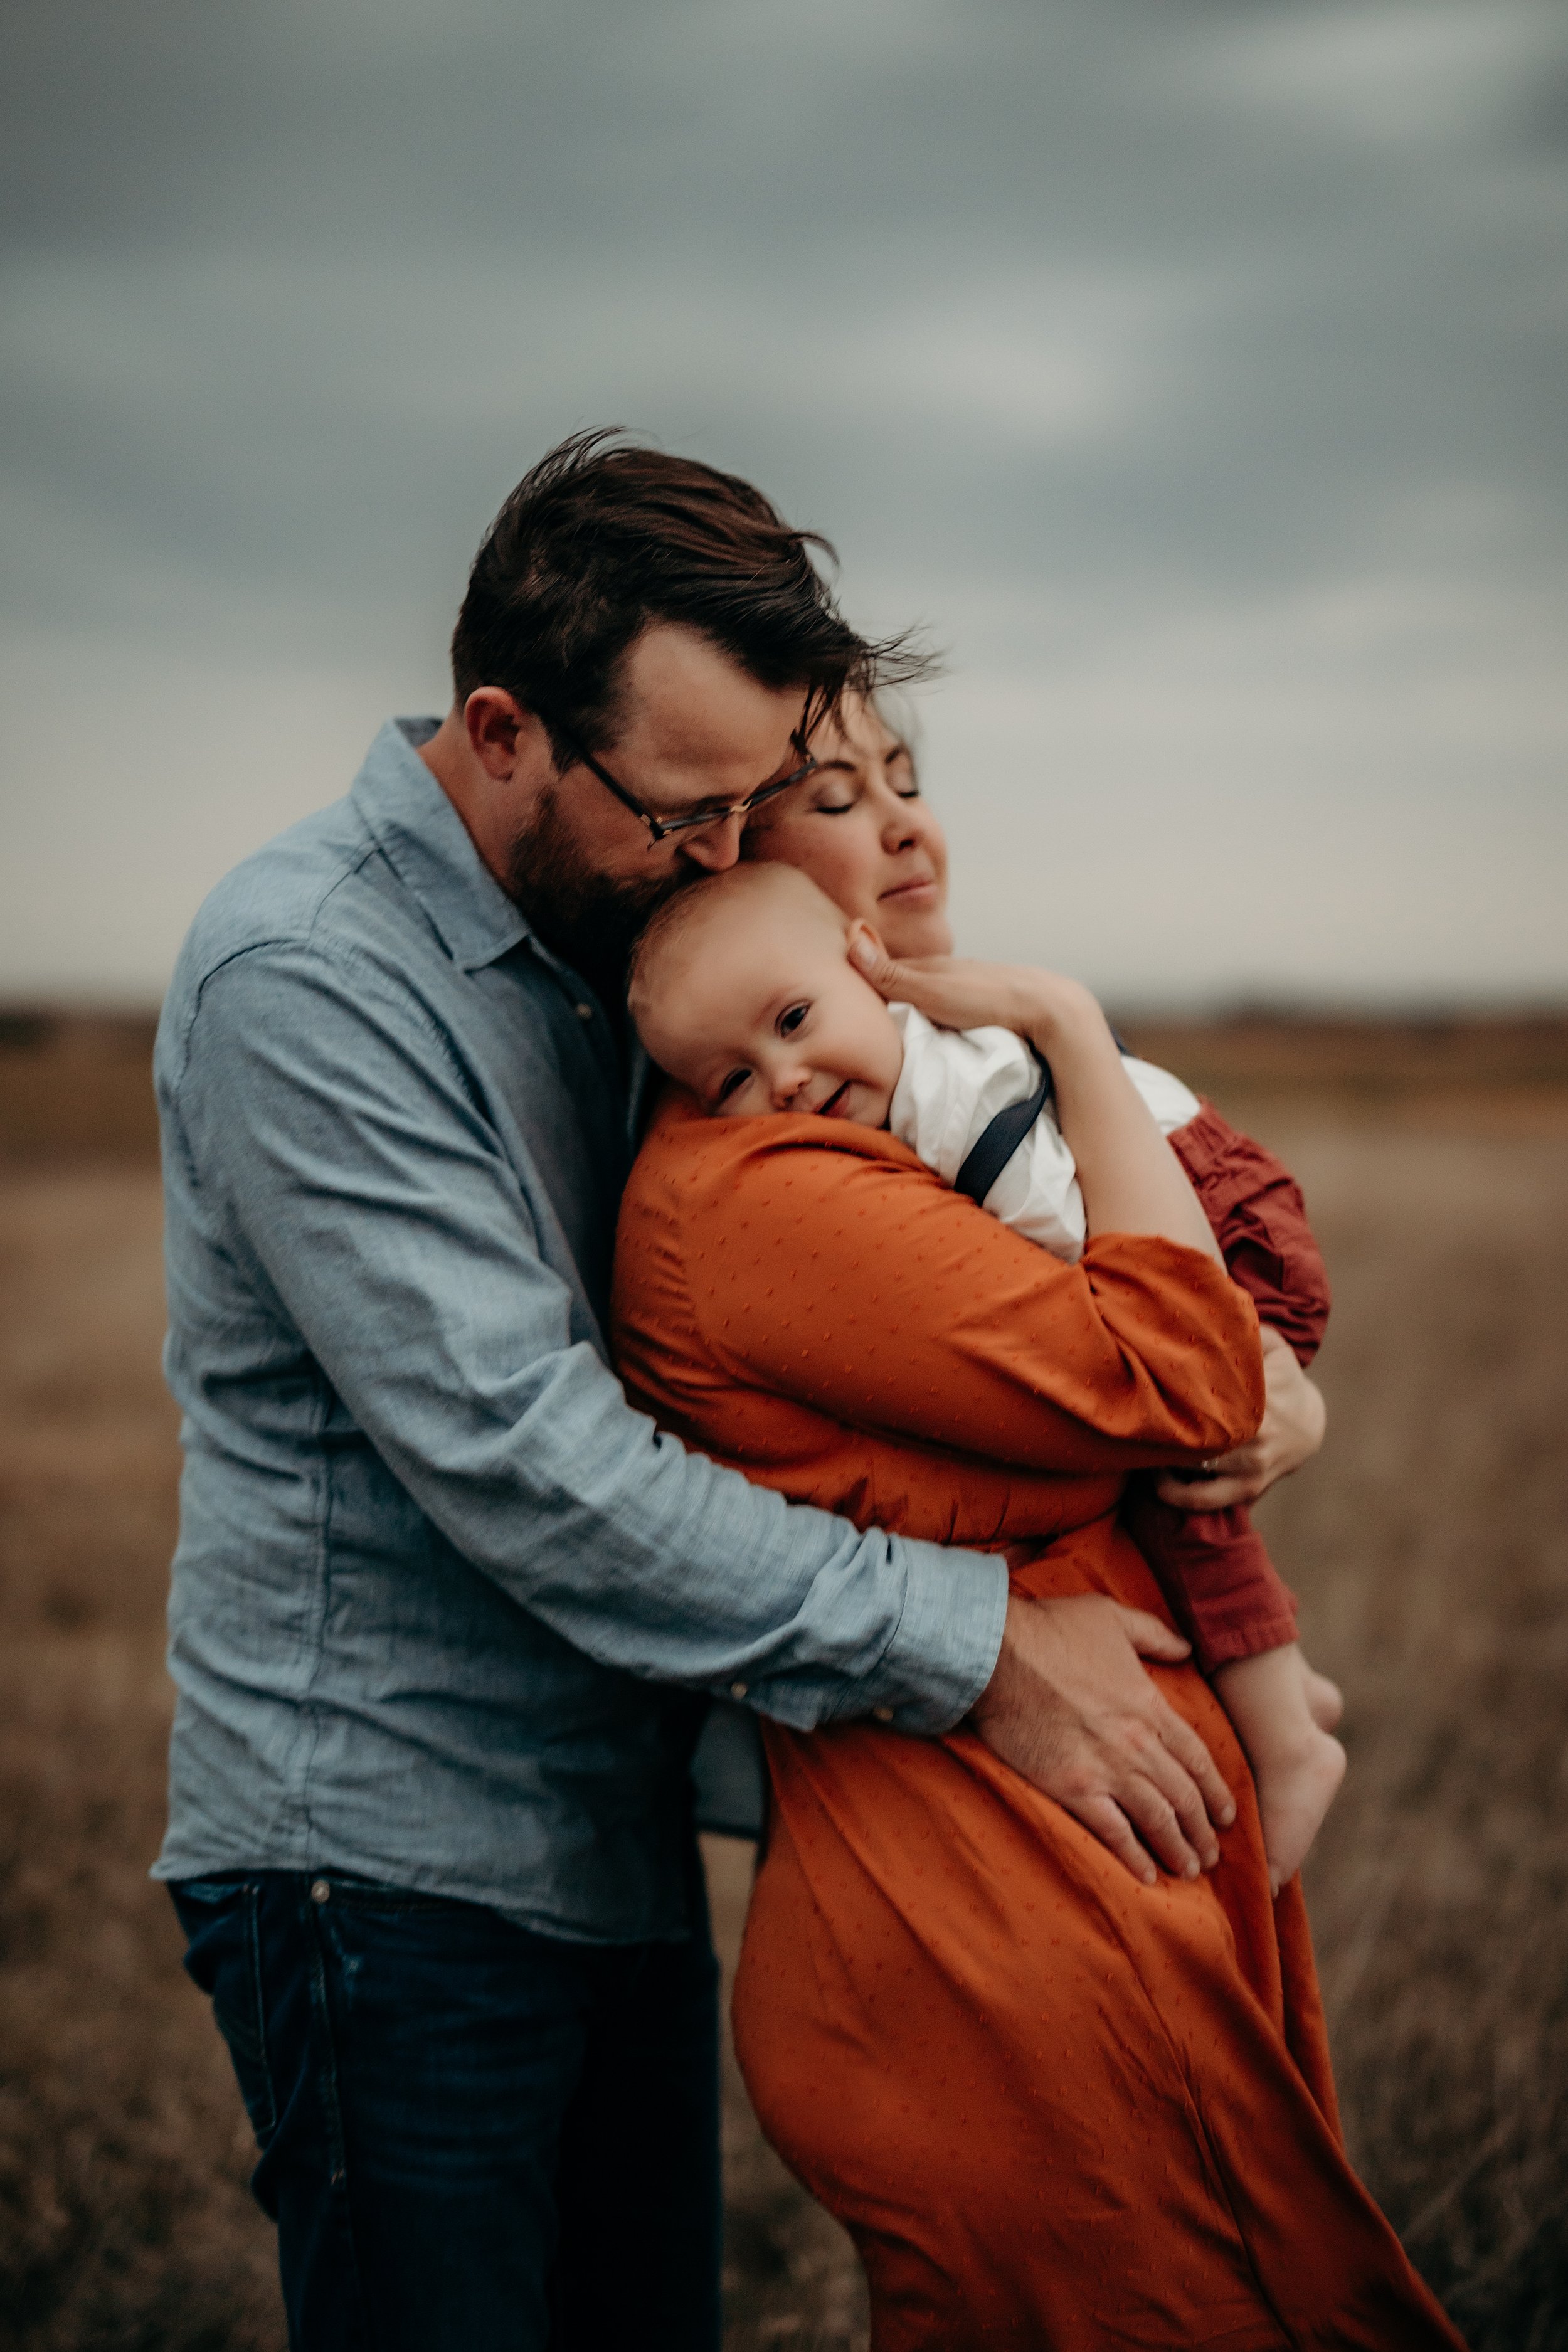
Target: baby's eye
(727,1086)
(789,1022)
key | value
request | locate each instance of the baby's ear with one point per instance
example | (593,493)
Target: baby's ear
(872,961)
(867,952)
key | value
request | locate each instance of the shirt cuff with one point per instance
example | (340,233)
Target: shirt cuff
(944,1652)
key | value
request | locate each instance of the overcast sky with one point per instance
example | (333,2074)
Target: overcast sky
(1194,369)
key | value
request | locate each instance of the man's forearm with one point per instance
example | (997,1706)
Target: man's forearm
(390,1243)
(657,1560)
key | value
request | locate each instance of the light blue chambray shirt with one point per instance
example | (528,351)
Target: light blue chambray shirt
(435,1578)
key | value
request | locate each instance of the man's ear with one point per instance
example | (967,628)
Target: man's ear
(497,726)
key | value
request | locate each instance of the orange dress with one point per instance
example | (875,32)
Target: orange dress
(1054,2109)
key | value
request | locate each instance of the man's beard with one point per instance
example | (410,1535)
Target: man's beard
(589,918)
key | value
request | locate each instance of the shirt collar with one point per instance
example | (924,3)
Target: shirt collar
(427,844)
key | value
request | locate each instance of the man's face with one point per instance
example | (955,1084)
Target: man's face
(695,731)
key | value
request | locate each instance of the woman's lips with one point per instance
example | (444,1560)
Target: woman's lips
(925,887)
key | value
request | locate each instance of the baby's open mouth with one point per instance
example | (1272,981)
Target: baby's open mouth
(834,1107)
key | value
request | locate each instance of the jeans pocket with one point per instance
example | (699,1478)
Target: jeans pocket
(222,1921)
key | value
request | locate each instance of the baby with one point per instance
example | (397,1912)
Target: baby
(742,989)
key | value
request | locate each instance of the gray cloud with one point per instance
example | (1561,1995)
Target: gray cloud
(1195,370)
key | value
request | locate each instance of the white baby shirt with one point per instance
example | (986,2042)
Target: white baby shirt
(953,1083)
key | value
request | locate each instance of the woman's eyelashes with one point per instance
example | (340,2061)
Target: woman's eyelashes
(900,789)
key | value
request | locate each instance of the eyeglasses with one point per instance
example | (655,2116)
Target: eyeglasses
(660,827)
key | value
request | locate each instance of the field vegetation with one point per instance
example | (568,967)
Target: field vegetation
(1429,1545)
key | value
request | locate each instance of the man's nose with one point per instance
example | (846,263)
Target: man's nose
(717,846)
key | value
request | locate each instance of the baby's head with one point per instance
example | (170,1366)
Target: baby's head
(742,989)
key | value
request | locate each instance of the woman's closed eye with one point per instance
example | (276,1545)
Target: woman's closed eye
(901,774)
(902,785)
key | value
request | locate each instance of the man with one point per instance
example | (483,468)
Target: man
(441,1599)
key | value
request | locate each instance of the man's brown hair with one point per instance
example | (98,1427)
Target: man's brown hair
(603,537)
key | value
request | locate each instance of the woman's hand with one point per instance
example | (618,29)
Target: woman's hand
(1131,1179)
(1294,1418)
(962,993)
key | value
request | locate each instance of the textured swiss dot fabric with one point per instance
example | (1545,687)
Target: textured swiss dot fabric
(1055,2109)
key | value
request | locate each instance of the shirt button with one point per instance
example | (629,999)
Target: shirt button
(584,1012)
(882,1714)
(738,1690)
(320,1891)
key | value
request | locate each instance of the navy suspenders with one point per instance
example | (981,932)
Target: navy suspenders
(1000,1137)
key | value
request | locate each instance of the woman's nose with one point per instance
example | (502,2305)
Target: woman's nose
(899,829)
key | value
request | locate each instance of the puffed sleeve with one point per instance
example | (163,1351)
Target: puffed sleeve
(848,1276)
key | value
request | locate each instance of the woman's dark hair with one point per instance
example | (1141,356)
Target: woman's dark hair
(603,537)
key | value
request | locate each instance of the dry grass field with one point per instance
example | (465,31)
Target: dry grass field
(1430,1547)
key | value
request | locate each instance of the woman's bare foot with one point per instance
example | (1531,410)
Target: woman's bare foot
(1296,1764)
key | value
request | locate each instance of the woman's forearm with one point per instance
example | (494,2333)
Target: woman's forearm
(1131,1179)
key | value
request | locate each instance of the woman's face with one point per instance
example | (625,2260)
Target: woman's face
(860,828)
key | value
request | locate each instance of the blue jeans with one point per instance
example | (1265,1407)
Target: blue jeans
(473,2139)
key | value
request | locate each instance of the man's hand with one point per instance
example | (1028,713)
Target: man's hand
(1071,1708)
(1294,1418)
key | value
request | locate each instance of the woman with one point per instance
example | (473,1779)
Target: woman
(1054,2105)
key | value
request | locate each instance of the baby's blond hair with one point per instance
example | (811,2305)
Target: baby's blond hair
(690,910)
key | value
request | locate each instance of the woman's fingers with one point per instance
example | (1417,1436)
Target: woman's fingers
(962,993)
(1221,1493)
(955,995)
(884,971)
(1290,1434)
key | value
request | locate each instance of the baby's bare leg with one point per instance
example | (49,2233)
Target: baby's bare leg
(1297,1766)
(1325,1699)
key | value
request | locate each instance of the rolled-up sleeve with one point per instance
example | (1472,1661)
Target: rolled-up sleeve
(354,1165)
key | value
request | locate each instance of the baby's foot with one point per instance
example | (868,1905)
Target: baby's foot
(1296,1786)
(1325,1700)
(1278,1704)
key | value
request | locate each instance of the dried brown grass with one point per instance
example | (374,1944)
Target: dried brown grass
(1431,1551)
(1430,1548)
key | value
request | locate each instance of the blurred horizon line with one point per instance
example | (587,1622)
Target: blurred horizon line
(23,1016)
